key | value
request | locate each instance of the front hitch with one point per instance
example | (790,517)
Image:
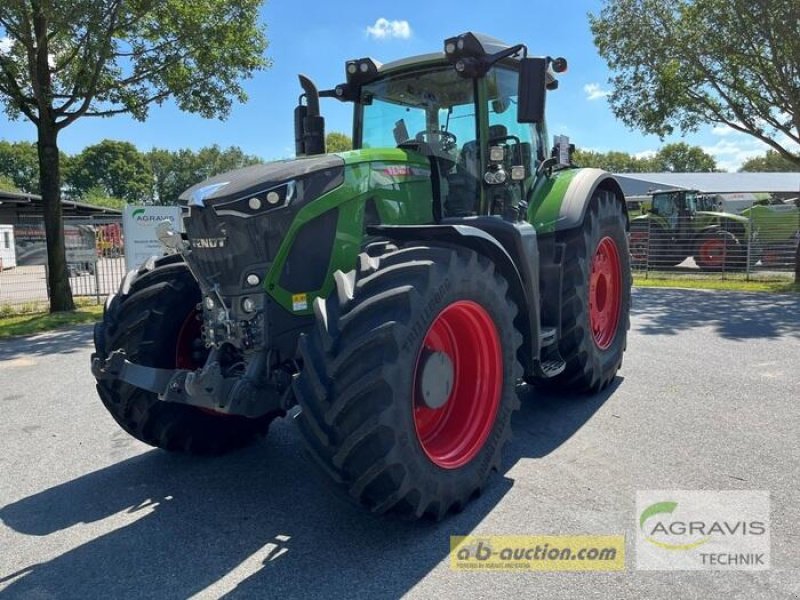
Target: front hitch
(205,388)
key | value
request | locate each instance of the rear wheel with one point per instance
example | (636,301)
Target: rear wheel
(596,298)
(719,251)
(153,319)
(409,379)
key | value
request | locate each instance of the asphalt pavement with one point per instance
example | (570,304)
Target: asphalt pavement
(708,398)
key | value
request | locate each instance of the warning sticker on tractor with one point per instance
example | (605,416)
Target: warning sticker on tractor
(299,302)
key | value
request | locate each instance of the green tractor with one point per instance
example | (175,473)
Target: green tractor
(392,297)
(683,223)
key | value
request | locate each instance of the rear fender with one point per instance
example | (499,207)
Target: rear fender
(559,202)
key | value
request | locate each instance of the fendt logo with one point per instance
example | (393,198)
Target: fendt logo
(208,242)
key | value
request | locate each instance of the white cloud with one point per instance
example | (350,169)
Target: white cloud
(736,147)
(5,45)
(594,91)
(384,29)
(644,154)
(724,130)
(730,154)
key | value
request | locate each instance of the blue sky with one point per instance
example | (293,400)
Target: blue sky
(316,39)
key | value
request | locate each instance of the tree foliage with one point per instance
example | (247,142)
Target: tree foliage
(114,169)
(20,165)
(67,59)
(771,162)
(678,157)
(80,58)
(98,196)
(7,184)
(174,172)
(683,158)
(613,161)
(119,171)
(338,142)
(678,64)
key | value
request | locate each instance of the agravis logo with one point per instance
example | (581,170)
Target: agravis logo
(140,217)
(702,529)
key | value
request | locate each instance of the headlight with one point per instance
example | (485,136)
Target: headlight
(253,204)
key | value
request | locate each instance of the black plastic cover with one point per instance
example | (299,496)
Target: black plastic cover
(251,180)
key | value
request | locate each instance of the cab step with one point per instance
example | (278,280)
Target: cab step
(548,369)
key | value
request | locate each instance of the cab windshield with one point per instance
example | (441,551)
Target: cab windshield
(416,105)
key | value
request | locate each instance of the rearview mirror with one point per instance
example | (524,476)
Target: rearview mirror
(532,90)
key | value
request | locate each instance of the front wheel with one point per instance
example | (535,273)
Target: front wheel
(153,319)
(409,379)
(596,297)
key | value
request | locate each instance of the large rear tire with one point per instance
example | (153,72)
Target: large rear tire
(409,379)
(596,297)
(152,318)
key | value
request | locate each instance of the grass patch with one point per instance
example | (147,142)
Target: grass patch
(739,285)
(27,324)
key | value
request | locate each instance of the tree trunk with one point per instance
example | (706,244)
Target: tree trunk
(50,182)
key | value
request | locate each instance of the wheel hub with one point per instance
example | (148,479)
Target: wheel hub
(605,292)
(458,382)
(436,380)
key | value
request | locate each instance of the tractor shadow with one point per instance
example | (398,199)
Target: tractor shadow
(733,315)
(60,341)
(257,523)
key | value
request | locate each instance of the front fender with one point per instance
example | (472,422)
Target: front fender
(511,247)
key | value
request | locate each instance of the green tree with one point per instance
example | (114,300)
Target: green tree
(771,162)
(614,161)
(678,64)
(338,142)
(18,163)
(98,196)
(7,184)
(683,158)
(162,166)
(174,172)
(116,169)
(78,58)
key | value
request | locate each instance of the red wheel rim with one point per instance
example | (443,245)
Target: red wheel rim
(453,434)
(605,293)
(187,355)
(186,351)
(712,253)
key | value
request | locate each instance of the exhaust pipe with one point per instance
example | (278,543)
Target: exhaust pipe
(309,126)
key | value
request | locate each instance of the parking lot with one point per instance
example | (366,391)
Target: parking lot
(708,398)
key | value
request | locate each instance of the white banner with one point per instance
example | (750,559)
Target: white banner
(139,225)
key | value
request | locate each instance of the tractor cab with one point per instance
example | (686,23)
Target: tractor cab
(675,209)
(475,111)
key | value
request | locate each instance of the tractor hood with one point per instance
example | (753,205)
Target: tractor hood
(293,179)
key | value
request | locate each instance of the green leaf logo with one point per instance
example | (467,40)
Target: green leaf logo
(137,212)
(665,508)
(655,509)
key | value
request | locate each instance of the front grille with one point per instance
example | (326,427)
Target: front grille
(226,248)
